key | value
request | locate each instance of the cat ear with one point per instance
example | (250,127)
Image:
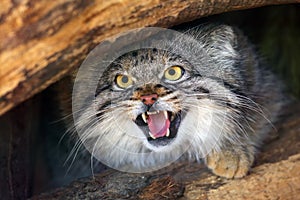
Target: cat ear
(220,41)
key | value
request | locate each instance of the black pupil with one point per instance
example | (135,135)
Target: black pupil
(124,79)
(172,72)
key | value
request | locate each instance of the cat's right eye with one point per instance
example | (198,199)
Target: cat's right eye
(123,81)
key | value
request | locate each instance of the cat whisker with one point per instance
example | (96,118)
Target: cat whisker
(225,115)
(256,107)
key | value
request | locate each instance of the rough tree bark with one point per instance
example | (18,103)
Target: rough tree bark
(40,41)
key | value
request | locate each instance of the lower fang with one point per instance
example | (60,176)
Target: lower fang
(152,136)
(168,133)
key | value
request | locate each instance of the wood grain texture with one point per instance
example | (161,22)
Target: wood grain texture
(41,41)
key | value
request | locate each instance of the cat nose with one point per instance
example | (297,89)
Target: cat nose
(149,99)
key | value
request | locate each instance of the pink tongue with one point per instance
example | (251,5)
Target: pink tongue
(158,124)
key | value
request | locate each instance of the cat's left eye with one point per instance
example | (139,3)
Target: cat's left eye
(123,81)
(174,73)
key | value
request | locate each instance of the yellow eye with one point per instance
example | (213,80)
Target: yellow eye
(174,73)
(123,81)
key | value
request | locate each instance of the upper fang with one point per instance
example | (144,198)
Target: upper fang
(144,117)
(166,114)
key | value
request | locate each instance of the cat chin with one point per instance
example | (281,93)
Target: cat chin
(165,148)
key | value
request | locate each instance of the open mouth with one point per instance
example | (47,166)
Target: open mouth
(160,127)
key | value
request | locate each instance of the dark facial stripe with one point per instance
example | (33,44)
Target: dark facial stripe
(101,89)
(158,86)
(229,86)
(234,89)
(202,90)
(103,107)
(169,92)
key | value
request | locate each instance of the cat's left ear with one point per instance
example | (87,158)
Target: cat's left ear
(219,41)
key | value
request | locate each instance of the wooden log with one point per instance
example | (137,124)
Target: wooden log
(41,41)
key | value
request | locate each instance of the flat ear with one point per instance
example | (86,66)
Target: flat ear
(219,40)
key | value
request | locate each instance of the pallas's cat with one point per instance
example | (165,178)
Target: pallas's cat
(154,106)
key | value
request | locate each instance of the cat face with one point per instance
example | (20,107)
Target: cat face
(153,100)
(149,85)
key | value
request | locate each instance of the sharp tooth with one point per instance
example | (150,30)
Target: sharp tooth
(166,114)
(152,113)
(144,117)
(152,136)
(168,133)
